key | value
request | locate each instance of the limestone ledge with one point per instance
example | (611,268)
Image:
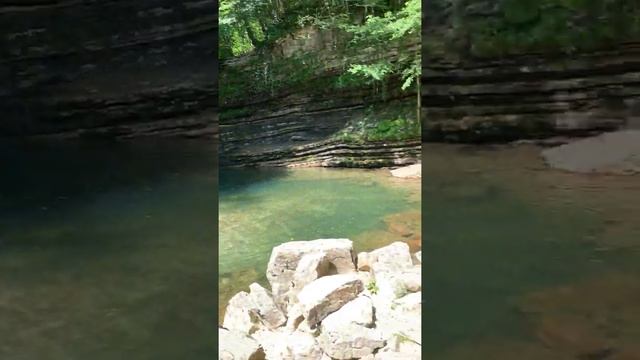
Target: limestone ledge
(331,153)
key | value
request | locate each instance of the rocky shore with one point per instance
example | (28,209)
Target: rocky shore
(327,303)
(329,153)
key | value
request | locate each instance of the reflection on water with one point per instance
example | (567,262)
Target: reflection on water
(260,209)
(525,262)
(107,250)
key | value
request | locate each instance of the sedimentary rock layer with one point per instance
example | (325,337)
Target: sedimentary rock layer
(115,68)
(471,94)
(332,154)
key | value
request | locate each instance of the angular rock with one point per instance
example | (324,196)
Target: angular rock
(235,345)
(364,261)
(241,314)
(285,258)
(248,312)
(411,302)
(266,307)
(393,319)
(349,341)
(303,346)
(358,311)
(394,256)
(328,294)
(390,285)
(280,345)
(412,278)
(365,276)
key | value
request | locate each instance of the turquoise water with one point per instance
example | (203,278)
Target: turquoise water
(506,240)
(107,250)
(260,209)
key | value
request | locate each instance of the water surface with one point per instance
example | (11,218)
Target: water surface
(525,262)
(107,250)
(262,208)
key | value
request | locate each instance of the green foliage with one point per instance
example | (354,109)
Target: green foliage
(549,26)
(392,124)
(373,287)
(378,32)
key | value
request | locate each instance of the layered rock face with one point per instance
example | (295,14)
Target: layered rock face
(324,305)
(286,103)
(472,94)
(108,68)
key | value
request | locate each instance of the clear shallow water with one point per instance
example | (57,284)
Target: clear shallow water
(525,262)
(107,250)
(260,209)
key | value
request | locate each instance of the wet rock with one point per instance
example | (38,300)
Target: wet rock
(349,341)
(358,311)
(328,294)
(285,258)
(235,345)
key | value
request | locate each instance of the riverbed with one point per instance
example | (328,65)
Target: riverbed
(521,261)
(262,208)
(107,250)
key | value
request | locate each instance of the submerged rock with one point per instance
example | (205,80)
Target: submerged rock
(328,294)
(616,152)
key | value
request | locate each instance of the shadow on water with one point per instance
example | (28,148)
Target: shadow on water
(108,250)
(510,249)
(236,180)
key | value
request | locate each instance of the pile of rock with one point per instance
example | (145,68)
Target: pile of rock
(324,305)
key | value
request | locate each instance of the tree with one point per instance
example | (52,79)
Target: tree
(380,31)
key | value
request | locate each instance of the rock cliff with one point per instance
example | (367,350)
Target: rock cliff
(500,72)
(108,68)
(282,108)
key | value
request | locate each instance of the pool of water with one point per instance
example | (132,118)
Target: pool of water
(107,250)
(521,261)
(260,209)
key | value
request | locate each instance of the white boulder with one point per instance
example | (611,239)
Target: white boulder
(328,294)
(284,260)
(235,345)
